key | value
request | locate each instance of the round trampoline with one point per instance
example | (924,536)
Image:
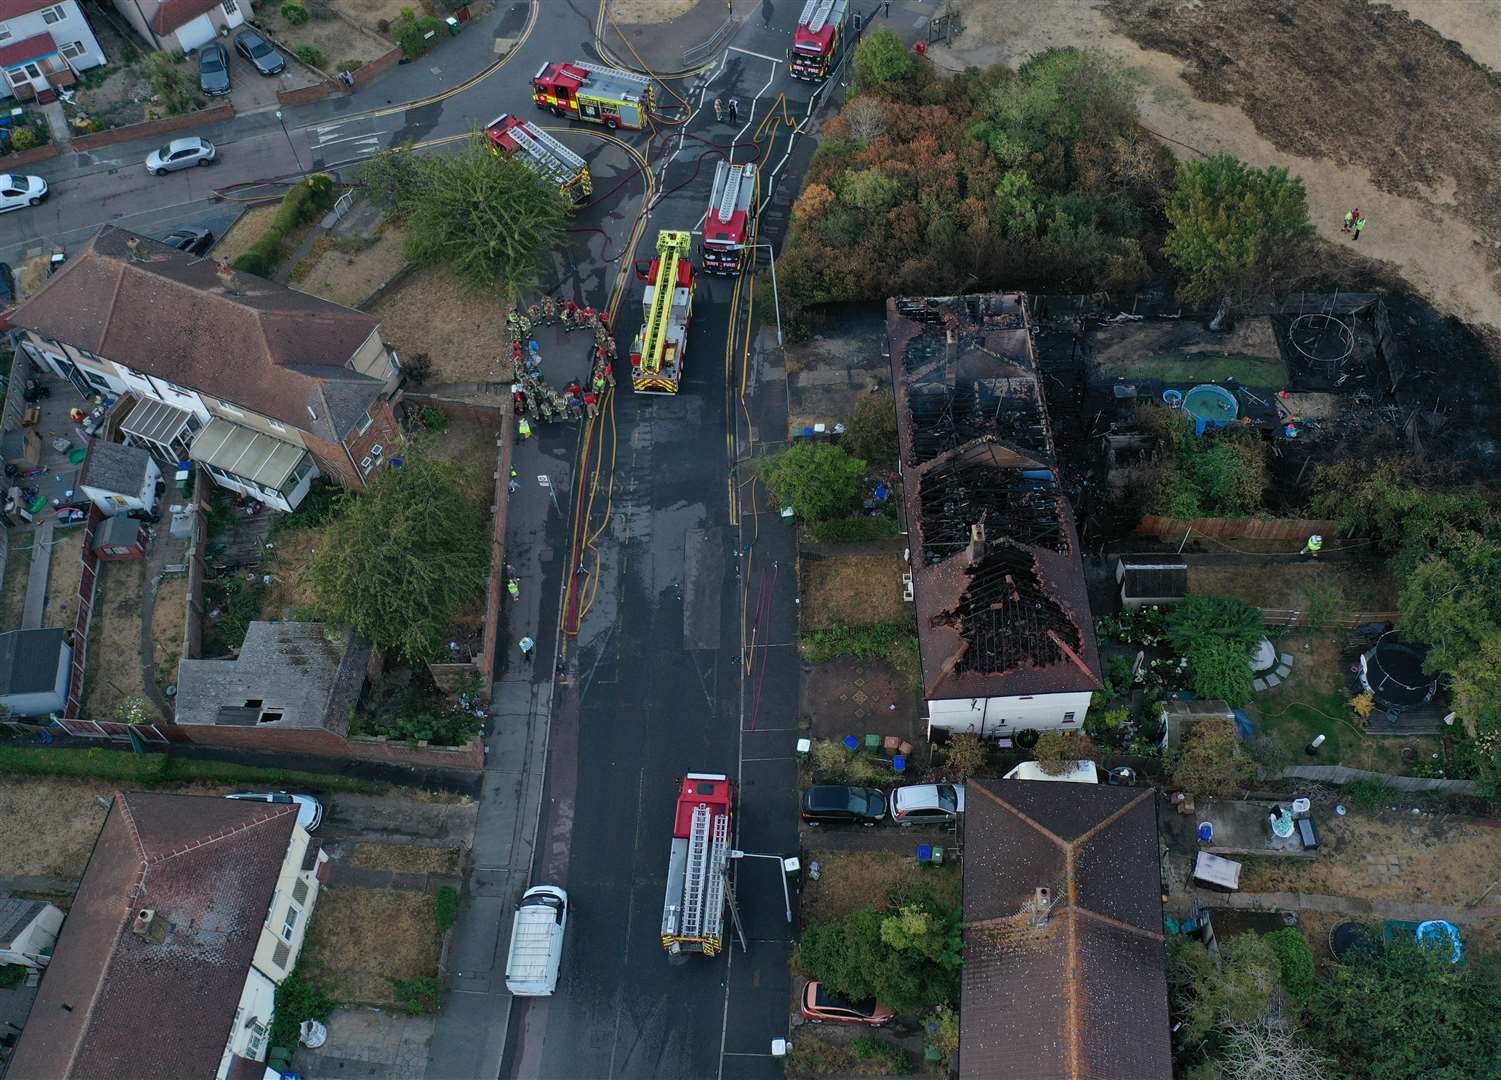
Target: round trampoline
(1357,937)
(1393,673)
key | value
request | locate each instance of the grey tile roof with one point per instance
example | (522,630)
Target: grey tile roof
(28,660)
(115,467)
(1089,977)
(16,915)
(116,1004)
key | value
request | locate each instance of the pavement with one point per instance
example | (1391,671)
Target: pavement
(369,1044)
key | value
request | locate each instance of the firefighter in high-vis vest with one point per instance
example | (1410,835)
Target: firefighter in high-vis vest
(1314,545)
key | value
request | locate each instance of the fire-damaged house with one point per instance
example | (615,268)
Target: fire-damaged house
(1003,615)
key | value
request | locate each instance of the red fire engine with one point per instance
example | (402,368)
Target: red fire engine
(547,156)
(600,95)
(819,39)
(732,207)
(698,865)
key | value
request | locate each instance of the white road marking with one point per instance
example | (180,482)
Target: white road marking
(321,142)
(747,52)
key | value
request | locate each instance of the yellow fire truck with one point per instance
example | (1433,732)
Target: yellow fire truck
(657,354)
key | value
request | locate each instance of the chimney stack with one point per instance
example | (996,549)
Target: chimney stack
(148,926)
(976,550)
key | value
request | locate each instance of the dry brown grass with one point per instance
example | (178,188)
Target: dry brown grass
(1349,587)
(461,331)
(63,578)
(345,274)
(471,445)
(850,881)
(48,826)
(288,564)
(407,858)
(168,627)
(340,43)
(17,569)
(361,939)
(1442,860)
(246,230)
(852,590)
(646,12)
(114,657)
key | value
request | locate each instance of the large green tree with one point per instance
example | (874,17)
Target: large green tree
(818,480)
(490,218)
(906,958)
(881,57)
(1216,635)
(1237,231)
(398,563)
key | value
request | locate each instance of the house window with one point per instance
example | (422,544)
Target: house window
(1068,718)
(98,380)
(54,14)
(228,409)
(230,7)
(73,50)
(24,73)
(4,32)
(364,424)
(276,425)
(289,928)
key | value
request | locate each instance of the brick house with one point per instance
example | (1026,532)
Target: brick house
(182,24)
(264,387)
(190,914)
(43,45)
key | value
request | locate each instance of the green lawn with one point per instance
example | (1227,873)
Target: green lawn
(1176,366)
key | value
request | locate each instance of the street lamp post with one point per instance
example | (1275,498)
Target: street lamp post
(789,866)
(290,144)
(776,298)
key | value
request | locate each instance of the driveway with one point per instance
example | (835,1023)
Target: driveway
(369,1044)
(250,91)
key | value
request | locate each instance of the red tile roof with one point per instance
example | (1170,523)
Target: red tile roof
(282,353)
(1088,973)
(14,9)
(114,1003)
(28,49)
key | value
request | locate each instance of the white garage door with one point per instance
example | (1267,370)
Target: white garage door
(195,33)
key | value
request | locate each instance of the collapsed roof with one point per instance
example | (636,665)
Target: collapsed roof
(999,586)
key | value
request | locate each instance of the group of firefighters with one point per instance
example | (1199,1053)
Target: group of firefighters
(532,397)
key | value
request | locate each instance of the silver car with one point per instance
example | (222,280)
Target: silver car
(309,809)
(180,154)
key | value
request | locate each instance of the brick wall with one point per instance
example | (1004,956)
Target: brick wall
(384,431)
(333,462)
(376,68)
(324,743)
(27,157)
(306,95)
(213,115)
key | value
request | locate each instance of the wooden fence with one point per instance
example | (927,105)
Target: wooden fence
(1169,528)
(1291,617)
(1338,774)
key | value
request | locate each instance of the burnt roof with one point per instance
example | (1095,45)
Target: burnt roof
(1010,616)
(1093,965)
(116,1003)
(283,353)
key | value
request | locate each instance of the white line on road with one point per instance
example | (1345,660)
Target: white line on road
(785,757)
(630,911)
(366,137)
(747,52)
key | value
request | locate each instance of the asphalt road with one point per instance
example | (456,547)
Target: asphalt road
(654,680)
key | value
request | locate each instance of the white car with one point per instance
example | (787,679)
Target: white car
(927,804)
(17,191)
(309,809)
(181,154)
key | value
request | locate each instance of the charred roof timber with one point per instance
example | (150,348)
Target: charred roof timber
(1001,602)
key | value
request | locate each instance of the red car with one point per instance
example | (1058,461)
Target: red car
(820,1005)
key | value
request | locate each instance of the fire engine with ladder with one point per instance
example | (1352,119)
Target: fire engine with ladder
(545,154)
(600,95)
(657,353)
(819,38)
(727,227)
(698,869)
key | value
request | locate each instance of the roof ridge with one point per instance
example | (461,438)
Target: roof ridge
(223,834)
(1106,920)
(1104,823)
(1027,819)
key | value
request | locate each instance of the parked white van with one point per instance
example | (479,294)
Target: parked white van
(1078,772)
(537,942)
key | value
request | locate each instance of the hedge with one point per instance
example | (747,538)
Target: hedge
(160,768)
(301,204)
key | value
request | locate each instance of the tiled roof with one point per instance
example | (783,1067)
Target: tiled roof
(977,449)
(29,660)
(114,1003)
(18,52)
(282,353)
(1086,968)
(174,13)
(115,468)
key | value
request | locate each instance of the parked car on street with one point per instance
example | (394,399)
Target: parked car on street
(831,804)
(193,240)
(17,191)
(927,804)
(259,52)
(309,809)
(819,1005)
(181,154)
(213,69)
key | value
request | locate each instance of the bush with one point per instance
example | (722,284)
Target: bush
(303,203)
(1216,634)
(417,368)
(818,480)
(871,431)
(1296,960)
(855,530)
(135,710)
(907,958)
(861,642)
(169,82)
(311,55)
(262,257)
(966,753)
(881,57)
(151,769)
(412,34)
(1106,723)
(294,13)
(418,996)
(297,1000)
(13,974)
(433,418)
(23,138)
(889,1058)
(448,907)
(831,762)
(1211,762)
(1056,751)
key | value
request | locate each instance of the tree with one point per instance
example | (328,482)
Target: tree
(1205,995)
(1056,752)
(966,753)
(490,218)
(1236,230)
(1266,1049)
(1216,635)
(818,480)
(1211,762)
(1295,960)
(881,57)
(871,432)
(1404,1012)
(906,959)
(398,563)
(866,118)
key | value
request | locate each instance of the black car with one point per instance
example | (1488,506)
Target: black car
(259,52)
(829,804)
(194,241)
(213,70)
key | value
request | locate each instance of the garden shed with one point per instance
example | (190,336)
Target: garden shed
(1151,580)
